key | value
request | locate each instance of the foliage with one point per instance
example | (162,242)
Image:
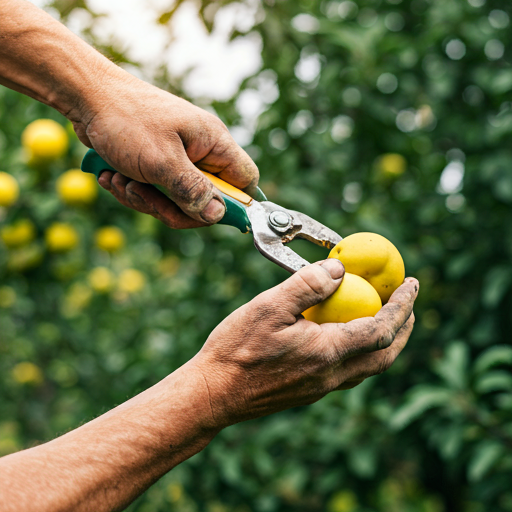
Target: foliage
(426,81)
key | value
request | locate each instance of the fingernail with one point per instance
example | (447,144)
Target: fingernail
(334,267)
(214,211)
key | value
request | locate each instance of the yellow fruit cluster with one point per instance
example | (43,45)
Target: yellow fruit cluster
(129,281)
(374,269)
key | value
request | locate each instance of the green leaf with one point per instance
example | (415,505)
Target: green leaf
(453,368)
(497,355)
(494,381)
(485,456)
(419,400)
(496,284)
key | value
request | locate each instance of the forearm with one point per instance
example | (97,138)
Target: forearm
(107,463)
(40,57)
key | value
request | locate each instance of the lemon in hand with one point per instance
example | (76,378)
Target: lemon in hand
(77,187)
(374,258)
(45,140)
(9,189)
(374,269)
(355,298)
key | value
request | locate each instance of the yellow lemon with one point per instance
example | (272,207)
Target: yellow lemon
(77,187)
(61,237)
(391,164)
(27,373)
(7,296)
(45,140)
(101,279)
(374,258)
(110,238)
(25,258)
(355,298)
(9,189)
(18,234)
(131,281)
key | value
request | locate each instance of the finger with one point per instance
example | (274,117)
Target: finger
(147,199)
(189,188)
(373,333)
(365,365)
(105,179)
(307,287)
(231,163)
(349,384)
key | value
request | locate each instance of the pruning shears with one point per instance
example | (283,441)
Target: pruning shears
(272,225)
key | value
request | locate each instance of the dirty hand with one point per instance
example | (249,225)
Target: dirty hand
(265,357)
(152,136)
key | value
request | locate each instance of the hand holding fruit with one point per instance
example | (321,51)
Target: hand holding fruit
(154,137)
(375,270)
(265,357)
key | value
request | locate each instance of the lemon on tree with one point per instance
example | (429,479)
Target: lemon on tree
(131,280)
(374,270)
(75,187)
(18,234)
(61,237)
(110,238)
(9,189)
(391,165)
(45,140)
(101,279)
(27,373)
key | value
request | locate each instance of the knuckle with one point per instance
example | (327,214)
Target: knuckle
(261,309)
(385,336)
(313,280)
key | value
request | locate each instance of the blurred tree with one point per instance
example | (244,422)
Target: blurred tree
(386,116)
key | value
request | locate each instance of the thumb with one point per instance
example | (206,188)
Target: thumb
(307,287)
(191,190)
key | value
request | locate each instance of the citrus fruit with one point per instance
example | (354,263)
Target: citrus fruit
(9,189)
(18,234)
(131,281)
(45,140)
(77,187)
(355,298)
(391,164)
(27,373)
(7,296)
(374,258)
(110,238)
(61,237)
(101,279)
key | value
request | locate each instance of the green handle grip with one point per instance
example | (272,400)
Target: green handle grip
(235,215)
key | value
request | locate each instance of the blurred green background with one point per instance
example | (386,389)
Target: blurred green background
(387,116)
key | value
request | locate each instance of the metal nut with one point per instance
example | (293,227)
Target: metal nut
(279,220)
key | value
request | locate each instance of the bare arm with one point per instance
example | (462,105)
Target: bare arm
(107,463)
(265,357)
(149,135)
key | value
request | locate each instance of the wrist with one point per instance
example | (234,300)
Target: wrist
(178,414)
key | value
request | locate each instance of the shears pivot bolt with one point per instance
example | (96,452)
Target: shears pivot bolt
(279,220)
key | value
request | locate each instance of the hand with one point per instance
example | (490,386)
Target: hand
(152,136)
(265,357)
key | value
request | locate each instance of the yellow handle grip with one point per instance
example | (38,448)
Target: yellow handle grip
(229,189)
